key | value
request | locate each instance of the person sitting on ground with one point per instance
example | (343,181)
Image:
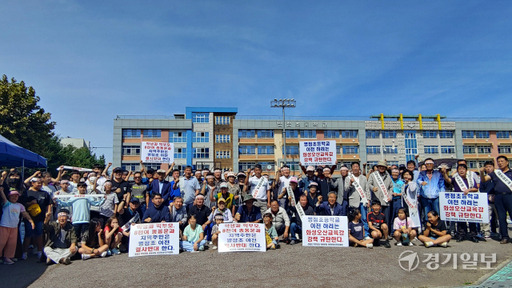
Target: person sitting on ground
(248,212)
(193,236)
(280,219)
(158,212)
(377,224)
(113,235)
(272,239)
(95,245)
(403,226)
(435,232)
(61,243)
(219,219)
(330,207)
(220,209)
(296,223)
(356,230)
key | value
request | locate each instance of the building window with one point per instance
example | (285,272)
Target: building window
(177,137)
(131,150)
(468,134)
(180,153)
(447,149)
(222,154)
(331,134)
(391,163)
(131,133)
(292,150)
(504,149)
(350,149)
(388,149)
(482,134)
(246,133)
(201,137)
(152,133)
(222,138)
(372,134)
(265,133)
(222,120)
(502,134)
(247,150)
(266,150)
(388,134)
(484,149)
(468,149)
(445,134)
(349,134)
(372,163)
(429,134)
(292,133)
(200,117)
(372,149)
(431,150)
(244,166)
(201,153)
(308,134)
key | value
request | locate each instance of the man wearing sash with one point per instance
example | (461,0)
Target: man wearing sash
(296,225)
(381,186)
(282,181)
(502,179)
(461,183)
(259,188)
(358,194)
(431,183)
(339,187)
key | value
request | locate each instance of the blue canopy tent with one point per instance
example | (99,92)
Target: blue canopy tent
(12,155)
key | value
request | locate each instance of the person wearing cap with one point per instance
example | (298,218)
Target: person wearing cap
(178,212)
(157,212)
(280,219)
(240,179)
(222,210)
(313,193)
(37,203)
(354,197)
(431,182)
(258,186)
(200,210)
(248,213)
(208,190)
(11,211)
(161,186)
(121,187)
(61,243)
(341,187)
(140,192)
(224,193)
(234,189)
(189,187)
(396,203)
(310,177)
(377,192)
(131,214)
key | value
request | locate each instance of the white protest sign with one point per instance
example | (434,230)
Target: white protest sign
(154,239)
(79,169)
(455,206)
(157,152)
(236,237)
(325,231)
(315,153)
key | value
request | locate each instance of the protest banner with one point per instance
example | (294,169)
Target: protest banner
(325,231)
(237,237)
(318,152)
(455,206)
(157,152)
(79,169)
(154,239)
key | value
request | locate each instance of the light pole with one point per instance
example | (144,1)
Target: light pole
(283,103)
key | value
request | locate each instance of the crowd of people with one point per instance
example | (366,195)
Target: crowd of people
(89,214)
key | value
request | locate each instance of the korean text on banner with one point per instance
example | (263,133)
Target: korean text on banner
(236,237)
(157,152)
(325,231)
(154,239)
(455,206)
(318,152)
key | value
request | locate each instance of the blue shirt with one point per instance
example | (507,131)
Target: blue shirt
(397,187)
(158,214)
(325,209)
(174,192)
(188,189)
(245,216)
(81,207)
(434,185)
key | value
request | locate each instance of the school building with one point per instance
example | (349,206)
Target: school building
(208,137)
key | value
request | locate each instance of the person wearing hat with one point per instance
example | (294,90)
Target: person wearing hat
(310,177)
(161,186)
(37,203)
(11,211)
(378,192)
(258,186)
(132,214)
(431,182)
(248,213)
(313,193)
(222,210)
(234,189)
(140,191)
(240,179)
(224,193)
(121,187)
(61,243)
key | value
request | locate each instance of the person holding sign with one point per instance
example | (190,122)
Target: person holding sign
(502,179)
(258,186)
(296,224)
(330,207)
(431,182)
(193,236)
(461,183)
(381,186)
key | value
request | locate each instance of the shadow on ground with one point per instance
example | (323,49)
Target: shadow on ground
(22,273)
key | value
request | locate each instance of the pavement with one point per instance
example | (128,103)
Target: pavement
(289,266)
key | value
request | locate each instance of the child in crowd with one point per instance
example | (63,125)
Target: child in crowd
(404,233)
(435,232)
(271,236)
(109,206)
(11,211)
(219,219)
(113,235)
(95,245)
(356,230)
(377,224)
(193,236)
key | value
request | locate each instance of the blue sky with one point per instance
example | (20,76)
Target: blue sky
(92,60)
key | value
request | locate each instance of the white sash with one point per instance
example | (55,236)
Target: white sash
(381,185)
(504,178)
(358,188)
(469,176)
(300,211)
(460,182)
(258,186)
(412,203)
